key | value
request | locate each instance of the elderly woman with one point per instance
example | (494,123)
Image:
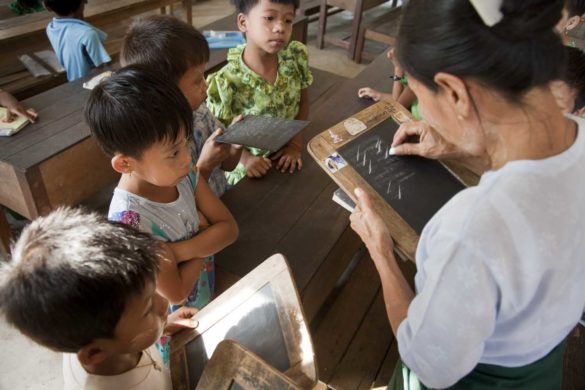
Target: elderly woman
(501,267)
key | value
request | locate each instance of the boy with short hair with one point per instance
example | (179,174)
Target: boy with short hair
(77,44)
(177,50)
(84,286)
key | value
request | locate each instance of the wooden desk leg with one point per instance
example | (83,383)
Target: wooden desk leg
(5,234)
(355,29)
(322,24)
(188,11)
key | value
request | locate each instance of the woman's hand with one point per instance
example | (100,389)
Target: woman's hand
(430,143)
(181,319)
(370,226)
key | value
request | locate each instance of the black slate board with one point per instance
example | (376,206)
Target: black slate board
(413,186)
(262,132)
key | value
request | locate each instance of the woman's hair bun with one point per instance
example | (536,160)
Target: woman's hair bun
(526,19)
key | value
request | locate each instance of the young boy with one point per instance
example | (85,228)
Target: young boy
(84,286)
(569,91)
(77,44)
(572,13)
(176,49)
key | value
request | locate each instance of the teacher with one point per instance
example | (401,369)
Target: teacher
(501,267)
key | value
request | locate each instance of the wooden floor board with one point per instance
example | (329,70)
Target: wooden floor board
(365,355)
(335,333)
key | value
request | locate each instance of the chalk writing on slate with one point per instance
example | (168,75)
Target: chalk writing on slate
(262,132)
(416,188)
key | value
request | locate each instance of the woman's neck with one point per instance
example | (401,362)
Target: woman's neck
(260,62)
(147,190)
(535,130)
(114,365)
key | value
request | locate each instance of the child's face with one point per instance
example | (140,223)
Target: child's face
(164,164)
(142,322)
(193,85)
(268,25)
(564,95)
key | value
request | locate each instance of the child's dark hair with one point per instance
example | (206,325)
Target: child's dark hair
(71,275)
(520,52)
(574,75)
(135,109)
(244,6)
(165,44)
(63,7)
(575,7)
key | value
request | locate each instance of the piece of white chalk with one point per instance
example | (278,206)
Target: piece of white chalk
(391,152)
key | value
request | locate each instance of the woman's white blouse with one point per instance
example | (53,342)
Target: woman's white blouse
(501,270)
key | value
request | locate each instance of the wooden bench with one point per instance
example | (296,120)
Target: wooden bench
(383,29)
(358,7)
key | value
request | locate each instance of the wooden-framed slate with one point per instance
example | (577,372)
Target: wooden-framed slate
(406,190)
(262,311)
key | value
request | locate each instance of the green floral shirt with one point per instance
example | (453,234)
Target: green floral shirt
(236,89)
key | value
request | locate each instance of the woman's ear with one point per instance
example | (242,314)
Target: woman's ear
(91,354)
(123,164)
(242,22)
(456,93)
(572,22)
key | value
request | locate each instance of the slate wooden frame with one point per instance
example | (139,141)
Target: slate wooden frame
(215,318)
(233,363)
(323,145)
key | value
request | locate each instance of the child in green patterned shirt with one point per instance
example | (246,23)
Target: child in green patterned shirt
(267,76)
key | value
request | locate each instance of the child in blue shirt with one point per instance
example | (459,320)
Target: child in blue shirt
(77,44)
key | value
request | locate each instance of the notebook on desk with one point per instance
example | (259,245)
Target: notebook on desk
(10,128)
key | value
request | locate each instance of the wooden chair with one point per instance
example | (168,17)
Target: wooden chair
(355,6)
(262,311)
(383,29)
(233,364)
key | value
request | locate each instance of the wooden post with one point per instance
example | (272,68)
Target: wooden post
(322,24)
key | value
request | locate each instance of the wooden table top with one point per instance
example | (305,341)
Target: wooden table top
(294,214)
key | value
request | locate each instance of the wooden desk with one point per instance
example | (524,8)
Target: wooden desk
(26,34)
(97,12)
(294,214)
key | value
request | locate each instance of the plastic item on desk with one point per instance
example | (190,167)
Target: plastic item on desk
(223,39)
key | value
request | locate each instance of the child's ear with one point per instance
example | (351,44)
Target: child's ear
(572,22)
(122,163)
(91,354)
(242,22)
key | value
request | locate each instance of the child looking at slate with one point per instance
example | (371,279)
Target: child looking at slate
(268,76)
(84,286)
(401,92)
(174,48)
(145,124)
(77,44)
(569,91)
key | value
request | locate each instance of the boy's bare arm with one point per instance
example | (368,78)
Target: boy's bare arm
(175,281)
(222,230)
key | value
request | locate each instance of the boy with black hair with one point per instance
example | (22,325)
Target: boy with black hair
(569,91)
(144,124)
(177,50)
(573,12)
(77,44)
(84,286)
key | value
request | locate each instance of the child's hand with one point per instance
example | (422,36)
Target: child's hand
(181,319)
(370,93)
(397,67)
(257,166)
(13,108)
(289,158)
(212,154)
